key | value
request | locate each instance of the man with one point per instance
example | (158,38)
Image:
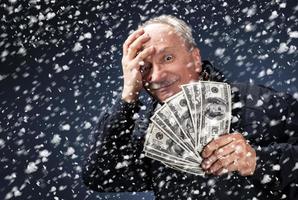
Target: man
(258,160)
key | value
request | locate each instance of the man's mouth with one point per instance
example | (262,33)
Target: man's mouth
(162,85)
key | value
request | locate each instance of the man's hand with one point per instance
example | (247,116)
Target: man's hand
(132,59)
(229,153)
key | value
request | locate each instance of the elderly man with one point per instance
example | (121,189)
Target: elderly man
(257,161)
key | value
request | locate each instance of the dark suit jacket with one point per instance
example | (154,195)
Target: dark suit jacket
(267,119)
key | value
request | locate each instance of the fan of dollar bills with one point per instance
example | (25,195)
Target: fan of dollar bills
(186,122)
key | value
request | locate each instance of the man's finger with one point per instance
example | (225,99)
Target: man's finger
(217,154)
(136,45)
(145,53)
(132,38)
(230,168)
(216,144)
(137,62)
(223,162)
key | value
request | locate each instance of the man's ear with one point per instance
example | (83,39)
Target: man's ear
(197,58)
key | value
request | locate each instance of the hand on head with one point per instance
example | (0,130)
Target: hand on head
(133,58)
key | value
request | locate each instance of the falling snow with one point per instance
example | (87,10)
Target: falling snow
(61,67)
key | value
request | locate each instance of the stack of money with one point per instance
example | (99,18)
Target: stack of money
(186,122)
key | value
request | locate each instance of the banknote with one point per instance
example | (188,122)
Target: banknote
(180,110)
(216,111)
(172,127)
(158,140)
(186,122)
(189,95)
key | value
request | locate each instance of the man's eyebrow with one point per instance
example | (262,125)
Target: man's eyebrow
(164,49)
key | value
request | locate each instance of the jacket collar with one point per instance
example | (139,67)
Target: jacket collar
(210,73)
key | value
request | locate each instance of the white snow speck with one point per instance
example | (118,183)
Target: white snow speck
(296,167)
(44,153)
(135,116)
(50,15)
(88,35)
(77,47)
(31,168)
(295,95)
(53,189)
(87,125)
(249,27)
(274,15)
(77,13)
(251,11)
(65,127)
(276,167)
(293,34)
(261,74)
(70,151)
(28,108)
(121,164)
(220,51)
(109,33)
(65,67)
(266,179)
(4,53)
(282,48)
(282,5)
(259,103)
(274,122)
(269,71)
(2,143)
(228,20)
(2,77)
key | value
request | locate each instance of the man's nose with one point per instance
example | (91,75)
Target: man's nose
(157,74)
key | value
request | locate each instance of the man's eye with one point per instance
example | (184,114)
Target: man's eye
(168,58)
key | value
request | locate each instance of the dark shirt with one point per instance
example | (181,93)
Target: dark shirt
(267,119)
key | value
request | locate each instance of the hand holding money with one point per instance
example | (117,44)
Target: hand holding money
(229,153)
(186,122)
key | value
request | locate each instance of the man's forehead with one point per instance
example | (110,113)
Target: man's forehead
(160,32)
(160,50)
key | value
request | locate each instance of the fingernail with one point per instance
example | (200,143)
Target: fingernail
(203,154)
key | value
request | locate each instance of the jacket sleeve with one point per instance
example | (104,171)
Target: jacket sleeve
(114,162)
(277,163)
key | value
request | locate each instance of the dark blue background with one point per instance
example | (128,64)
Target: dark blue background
(60,65)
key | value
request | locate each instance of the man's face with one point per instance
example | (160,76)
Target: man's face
(172,63)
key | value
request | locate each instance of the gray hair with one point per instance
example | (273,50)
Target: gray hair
(179,26)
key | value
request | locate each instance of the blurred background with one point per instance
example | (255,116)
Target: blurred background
(60,65)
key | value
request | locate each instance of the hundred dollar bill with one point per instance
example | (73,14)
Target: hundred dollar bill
(156,139)
(198,109)
(176,137)
(178,106)
(216,111)
(172,126)
(190,99)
